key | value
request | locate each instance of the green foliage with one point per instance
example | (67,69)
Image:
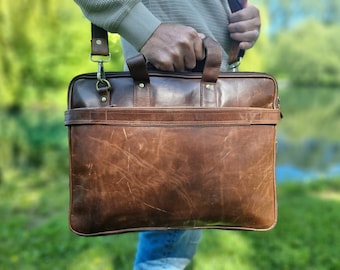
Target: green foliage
(309,131)
(307,55)
(255,59)
(309,113)
(44,49)
(33,139)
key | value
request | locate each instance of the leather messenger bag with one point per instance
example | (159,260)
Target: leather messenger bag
(152,150)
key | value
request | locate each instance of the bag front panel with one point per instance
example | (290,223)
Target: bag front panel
(134,178)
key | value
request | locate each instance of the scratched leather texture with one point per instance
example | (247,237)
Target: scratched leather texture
(168,154)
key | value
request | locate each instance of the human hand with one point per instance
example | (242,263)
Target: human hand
(245,25)
(174,47)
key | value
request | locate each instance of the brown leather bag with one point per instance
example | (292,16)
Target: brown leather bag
(152,150)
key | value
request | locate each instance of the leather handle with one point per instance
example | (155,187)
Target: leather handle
(213,60)
(139,70)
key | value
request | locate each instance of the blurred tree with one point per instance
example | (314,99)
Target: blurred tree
(308,54)
(327,11)
(285,13)
(42,45)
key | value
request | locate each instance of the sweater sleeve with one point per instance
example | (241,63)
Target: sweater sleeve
(130,18)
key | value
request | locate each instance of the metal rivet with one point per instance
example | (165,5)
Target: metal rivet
(141,85)
(98,42)
(103,99)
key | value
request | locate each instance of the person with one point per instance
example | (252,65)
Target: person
(169,34)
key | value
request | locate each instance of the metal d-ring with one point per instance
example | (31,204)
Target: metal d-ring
(102,82)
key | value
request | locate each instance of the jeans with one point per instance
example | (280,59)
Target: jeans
(170,249)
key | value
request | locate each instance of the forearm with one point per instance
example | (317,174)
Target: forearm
(131,19)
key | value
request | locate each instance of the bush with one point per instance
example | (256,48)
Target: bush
(306,55)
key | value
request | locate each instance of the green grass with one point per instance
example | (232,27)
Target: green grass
(306,235)
(35,235)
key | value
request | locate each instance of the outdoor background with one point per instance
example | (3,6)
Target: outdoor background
(43,44)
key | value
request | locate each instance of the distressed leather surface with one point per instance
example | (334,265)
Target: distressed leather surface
(176,153)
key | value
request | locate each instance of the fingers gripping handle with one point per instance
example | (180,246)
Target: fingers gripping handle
(139,70)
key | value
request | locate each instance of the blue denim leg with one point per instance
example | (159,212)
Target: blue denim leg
(170,249)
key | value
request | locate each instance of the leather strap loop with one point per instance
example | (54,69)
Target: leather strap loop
(99,41)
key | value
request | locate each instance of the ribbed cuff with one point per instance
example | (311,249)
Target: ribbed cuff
(138,26)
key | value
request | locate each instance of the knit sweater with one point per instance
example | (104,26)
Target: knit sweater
(135,21)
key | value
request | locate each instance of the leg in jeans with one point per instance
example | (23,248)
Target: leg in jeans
(170,249)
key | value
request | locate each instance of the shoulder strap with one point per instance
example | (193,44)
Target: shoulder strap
(100,47)
(235,54)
